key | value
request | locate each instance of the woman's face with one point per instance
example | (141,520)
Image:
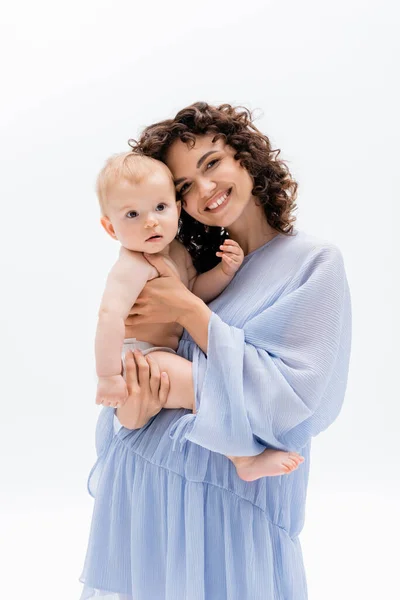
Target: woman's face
(214,187)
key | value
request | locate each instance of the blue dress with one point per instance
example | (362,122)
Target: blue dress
(172,520)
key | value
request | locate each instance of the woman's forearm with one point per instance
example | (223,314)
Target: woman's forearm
(195,319)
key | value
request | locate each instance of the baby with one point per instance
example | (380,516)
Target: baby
(139,209)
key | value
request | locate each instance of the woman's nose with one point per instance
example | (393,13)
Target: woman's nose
(206,187)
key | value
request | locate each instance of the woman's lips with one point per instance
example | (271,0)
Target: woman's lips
(219,204)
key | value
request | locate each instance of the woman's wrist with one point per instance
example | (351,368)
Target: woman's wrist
(192,307)
(195,318)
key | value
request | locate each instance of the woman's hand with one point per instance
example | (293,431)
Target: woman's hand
(163,300)
(147,387)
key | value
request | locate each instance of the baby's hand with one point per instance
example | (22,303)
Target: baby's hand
(232,257)
(112,391)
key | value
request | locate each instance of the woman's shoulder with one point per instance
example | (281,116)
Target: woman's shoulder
(289,260)
(302,249)
(309,245)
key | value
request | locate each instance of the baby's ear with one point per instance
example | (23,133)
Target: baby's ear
(106,223)
(179,207)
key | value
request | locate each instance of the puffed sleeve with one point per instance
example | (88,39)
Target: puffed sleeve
(281,379)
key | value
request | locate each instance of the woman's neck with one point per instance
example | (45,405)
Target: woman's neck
(251,230)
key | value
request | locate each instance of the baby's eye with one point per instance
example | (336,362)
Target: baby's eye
(161,207)
(132,214)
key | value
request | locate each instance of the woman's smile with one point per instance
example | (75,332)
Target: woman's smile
(210,181)
(218,201)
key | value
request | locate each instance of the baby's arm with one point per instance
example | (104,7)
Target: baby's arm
(124,284)
(210,284)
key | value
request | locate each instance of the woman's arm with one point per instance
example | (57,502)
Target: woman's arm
(280,379)
(167,300)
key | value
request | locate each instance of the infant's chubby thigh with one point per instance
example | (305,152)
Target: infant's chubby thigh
(181,392)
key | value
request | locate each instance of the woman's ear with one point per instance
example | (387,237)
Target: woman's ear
(107,225)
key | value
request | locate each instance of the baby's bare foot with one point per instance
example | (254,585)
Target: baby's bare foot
(268,464)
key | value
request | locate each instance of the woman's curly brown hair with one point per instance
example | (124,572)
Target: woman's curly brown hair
(273,184)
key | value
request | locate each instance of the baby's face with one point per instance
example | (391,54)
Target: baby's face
(144,216)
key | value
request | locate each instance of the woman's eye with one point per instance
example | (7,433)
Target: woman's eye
(212,163)
(160,207)
(132,214)
(184,188)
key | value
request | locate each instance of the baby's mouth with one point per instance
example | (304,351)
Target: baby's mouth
(154,238)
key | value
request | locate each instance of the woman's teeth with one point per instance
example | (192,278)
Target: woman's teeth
(219,201)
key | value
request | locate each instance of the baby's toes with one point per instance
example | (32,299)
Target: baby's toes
(296,457)
(289,465)
(292,461)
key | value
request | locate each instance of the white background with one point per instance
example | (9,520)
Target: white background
(79,79)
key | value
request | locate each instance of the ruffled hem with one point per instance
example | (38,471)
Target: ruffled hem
(156,535)
(88,593)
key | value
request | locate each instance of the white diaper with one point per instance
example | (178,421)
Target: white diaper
(145,347)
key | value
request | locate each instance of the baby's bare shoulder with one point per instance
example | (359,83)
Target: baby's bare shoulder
(129,257)
(129,260)
(178,252)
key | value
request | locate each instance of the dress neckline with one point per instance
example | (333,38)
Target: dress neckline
(260,248)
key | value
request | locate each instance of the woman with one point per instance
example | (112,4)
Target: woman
(270,357)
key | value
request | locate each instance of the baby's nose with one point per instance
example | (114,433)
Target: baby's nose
(150,222)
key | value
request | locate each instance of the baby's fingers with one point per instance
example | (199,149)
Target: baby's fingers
(228,260)
(230,242)
(231,249)
(236,258)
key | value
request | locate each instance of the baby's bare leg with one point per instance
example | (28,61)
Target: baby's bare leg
(181,391)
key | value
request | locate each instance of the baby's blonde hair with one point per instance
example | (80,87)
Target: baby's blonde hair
(128,166)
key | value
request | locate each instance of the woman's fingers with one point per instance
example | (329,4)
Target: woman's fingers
(163,268)
(155,375)
(143,368)
(164,388)
(131,377)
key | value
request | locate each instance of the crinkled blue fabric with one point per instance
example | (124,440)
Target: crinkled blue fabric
(172,520)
